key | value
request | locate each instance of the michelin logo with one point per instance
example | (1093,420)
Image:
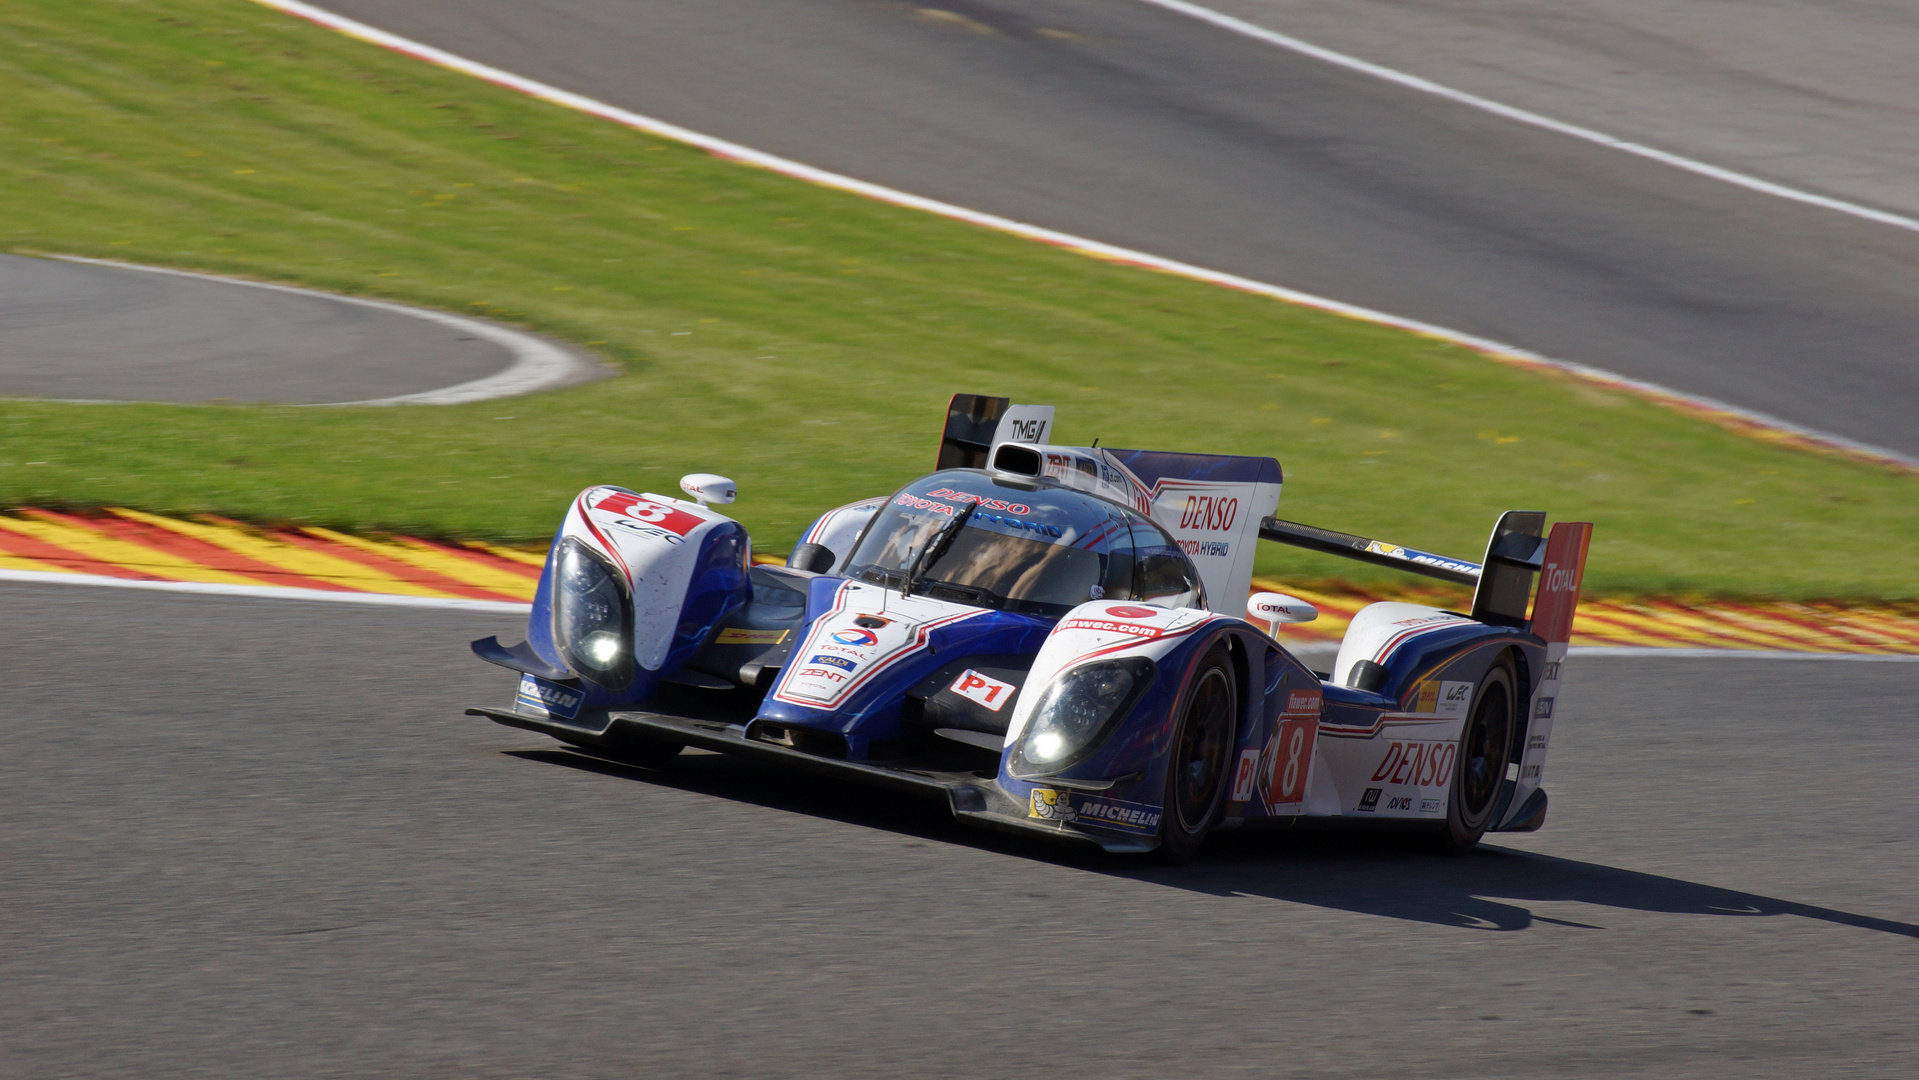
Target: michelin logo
(549,698)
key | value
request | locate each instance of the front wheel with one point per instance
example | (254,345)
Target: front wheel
(1198,759)
(1479,770)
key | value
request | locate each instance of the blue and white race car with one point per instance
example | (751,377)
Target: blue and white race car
(1056,641)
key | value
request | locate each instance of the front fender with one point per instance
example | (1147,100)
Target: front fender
(1119,785)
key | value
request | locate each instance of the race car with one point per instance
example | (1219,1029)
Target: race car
(1056,641)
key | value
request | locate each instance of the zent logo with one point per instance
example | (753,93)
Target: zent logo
(1132,612)
(854,635)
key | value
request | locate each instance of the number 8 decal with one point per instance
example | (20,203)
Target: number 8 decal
(1294,761)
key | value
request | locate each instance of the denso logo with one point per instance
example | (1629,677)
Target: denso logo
(985,504)
(1211,512)
(1421,764)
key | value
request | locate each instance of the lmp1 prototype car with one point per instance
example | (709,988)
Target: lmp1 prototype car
(1056,641)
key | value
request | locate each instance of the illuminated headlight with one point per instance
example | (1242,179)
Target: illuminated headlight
(1076,711)
(592,617)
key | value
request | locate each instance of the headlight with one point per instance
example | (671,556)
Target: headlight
(1076,710)
(592,617)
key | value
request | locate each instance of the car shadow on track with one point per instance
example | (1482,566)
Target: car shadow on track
(1372,873)
(1394,877)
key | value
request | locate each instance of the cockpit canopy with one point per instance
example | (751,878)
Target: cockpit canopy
(1040,550)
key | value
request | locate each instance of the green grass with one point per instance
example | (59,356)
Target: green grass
(800,340)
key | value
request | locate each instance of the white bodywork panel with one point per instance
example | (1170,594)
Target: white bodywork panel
(654,540)
(1380,628)
(1097,630)
(838,656)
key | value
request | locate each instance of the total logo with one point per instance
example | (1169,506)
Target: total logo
(1557,579)
(854,635)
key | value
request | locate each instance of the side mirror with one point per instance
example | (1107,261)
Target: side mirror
(812,558)
(708,489)
(1274,608)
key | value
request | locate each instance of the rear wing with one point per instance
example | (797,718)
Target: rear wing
(976,423)
(1502,583)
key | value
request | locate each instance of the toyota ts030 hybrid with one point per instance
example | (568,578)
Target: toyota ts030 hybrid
(1056,641)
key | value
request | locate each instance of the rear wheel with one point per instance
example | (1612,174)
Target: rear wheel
(1479,769)
(1198,760)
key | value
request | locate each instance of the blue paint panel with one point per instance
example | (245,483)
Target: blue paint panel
(1152,466)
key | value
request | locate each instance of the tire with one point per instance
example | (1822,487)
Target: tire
(1479,768)
(1199,761)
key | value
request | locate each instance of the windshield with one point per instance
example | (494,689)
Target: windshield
(1041,551)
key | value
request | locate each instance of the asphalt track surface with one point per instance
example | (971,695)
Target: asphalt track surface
(1135,126)
(257,838)
(75,331)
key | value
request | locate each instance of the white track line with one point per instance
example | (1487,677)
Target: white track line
(1427,86)
(736,152)
(537,365)
(267,592)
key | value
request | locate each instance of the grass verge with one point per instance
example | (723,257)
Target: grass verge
(798,339)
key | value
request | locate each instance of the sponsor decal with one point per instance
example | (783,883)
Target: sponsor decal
(857,636)
(826,674)
(1291,761)
(1421,764)
(1429,806)
(668,519)
(1116,815)
(1026,431)
(1052,804)
(734,635)
(1444,698)
(1529,772)
(549,698)
(1304,701)
(1133,612)
(1544,710)
(1212,513)
(1246,775)
(840,662)
(1369,801)
(918,503)
(984,689)
(984,504)
(1399,802)
(1551,673)
(1424,558)
(1107,626)
(1206,547)
(1536,742)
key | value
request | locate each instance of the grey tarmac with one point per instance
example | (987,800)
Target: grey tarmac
(78,331)
(256,838)
(1135,126)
